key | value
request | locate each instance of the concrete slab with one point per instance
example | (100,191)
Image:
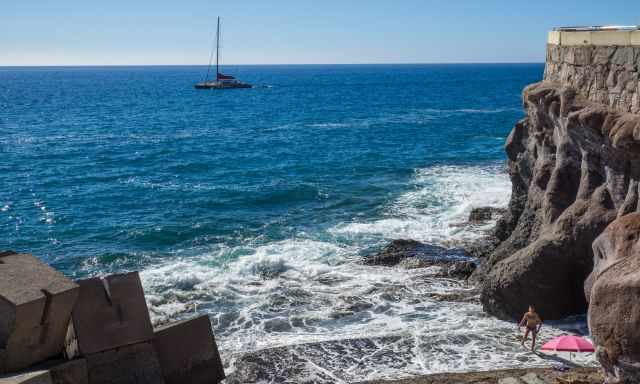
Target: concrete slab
(33,377)
(111,313)
(64,371)
(553,37)
(611,37)
(70,372)
(575,38)
(634,38)
(188,353)
(133,364)
(35,308)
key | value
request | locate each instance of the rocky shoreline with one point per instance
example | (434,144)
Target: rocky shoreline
(568,243)
(570,238)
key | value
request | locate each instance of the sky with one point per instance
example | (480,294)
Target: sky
(174,32)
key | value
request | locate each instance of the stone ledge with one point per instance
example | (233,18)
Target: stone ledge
(598,38)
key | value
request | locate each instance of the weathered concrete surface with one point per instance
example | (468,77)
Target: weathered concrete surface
(613,289)
(35,307)
(133,364)
(188,353)
(606,74)
(111,313)
(57,371)
(32,377)
(594,38)
(69,372)
(505,376)
(574,167)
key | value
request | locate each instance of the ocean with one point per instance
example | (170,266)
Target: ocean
(255,206)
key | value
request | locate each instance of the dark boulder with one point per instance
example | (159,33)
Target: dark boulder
(411,254)
(460,269)
(613,290)
(399,250)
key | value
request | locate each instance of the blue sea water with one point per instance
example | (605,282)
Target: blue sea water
(253,206)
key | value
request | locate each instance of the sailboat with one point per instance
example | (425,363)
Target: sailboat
(221,81)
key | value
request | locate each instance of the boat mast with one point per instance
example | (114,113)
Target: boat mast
(218,50)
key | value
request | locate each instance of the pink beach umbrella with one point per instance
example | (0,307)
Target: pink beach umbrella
(568,343)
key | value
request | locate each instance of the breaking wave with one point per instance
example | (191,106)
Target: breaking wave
(311,291)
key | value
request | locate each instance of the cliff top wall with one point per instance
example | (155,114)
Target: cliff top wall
(583,37)
(602,65)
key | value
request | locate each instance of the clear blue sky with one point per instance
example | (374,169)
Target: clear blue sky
(94,32)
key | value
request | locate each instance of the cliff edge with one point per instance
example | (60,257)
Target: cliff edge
(574,163)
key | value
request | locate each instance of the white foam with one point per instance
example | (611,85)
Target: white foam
(438,204)
(313,289)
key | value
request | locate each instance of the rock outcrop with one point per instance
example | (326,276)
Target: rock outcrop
(574,162)
(409,254)
(613,289)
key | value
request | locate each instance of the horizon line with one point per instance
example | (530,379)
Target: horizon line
(263,64)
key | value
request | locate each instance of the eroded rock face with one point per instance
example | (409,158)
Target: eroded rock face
(574,167)
(613,289)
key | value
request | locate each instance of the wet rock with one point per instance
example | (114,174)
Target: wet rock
(462,296)
(460,269)
(399,250)
(613,289)
(355,304)
(413,263)
(277,325)
(483,214)
(411,254)
(480,248)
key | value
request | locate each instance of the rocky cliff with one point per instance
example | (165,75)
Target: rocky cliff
(574,162)
(613,289)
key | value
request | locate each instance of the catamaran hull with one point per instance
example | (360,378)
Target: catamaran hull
(213,85)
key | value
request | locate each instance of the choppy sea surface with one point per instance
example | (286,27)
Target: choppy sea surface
(254,206)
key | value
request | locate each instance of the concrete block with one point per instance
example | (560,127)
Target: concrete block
(634,38)
(70,372)
(553,38)
(133,364)
(35,308)
(611,37)
(52,372)
(188,353)
(31,377)
(575,38)
(111,313)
